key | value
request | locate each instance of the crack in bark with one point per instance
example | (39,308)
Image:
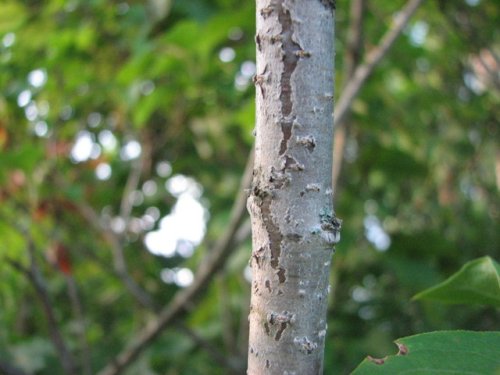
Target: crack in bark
(268,330)
(280,331)
(290,59)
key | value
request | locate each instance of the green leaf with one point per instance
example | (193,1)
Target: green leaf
(478,282)
(450,352)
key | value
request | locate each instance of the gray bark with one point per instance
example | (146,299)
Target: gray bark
(294,228)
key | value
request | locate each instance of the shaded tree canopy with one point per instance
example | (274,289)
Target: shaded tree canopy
(125,128)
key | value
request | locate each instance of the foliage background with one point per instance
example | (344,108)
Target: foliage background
(418,191)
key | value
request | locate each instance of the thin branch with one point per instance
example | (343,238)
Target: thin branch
(119,264)
(358,74)
(133,180)
(115,242)
(231,366)
(35,277)
(205,272)
(373,59)
(352,60)
(355,35)
(82,329)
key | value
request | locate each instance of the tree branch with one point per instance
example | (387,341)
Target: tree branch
(35,277)
(131,185)
(372,59)
(82,329)
(352,59)
(357,76)
(354,51)
(119,264)
(205,272)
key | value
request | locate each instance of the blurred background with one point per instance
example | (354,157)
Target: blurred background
(125,128)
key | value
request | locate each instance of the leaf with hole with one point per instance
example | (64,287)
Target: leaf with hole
(442,352)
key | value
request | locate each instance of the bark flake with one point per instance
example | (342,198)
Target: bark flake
(279,322)
(281,275)
(291,55)
(275,237)
(279,332)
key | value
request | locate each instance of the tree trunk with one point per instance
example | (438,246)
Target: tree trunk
(290,203)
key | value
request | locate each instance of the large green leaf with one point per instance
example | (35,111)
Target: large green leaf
(443,352)
(477,282)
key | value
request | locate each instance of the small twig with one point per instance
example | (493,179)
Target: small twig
(121,272)
(358,76)
(119,264)
(133,180)
(352,60)
(35,277)
(354,43)
(373,59)
(205,272)
(82,329)
(115,241)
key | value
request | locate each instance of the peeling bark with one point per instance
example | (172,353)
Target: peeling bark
(293,223)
